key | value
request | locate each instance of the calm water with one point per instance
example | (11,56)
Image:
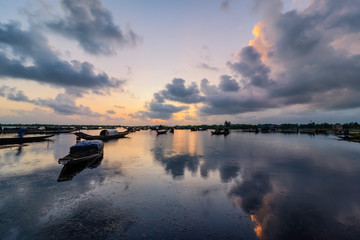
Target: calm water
(186,185)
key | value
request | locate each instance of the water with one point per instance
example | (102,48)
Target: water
(186,185)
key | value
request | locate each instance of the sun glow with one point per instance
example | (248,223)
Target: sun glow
(257,228)
(259,42)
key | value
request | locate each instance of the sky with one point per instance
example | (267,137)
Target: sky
(182,62)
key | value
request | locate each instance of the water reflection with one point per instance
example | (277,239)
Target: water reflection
(186,185)
(70,170)
(176,164)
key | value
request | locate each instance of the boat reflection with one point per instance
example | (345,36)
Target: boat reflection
(70,170)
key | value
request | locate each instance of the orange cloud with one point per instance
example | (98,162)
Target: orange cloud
(259,42)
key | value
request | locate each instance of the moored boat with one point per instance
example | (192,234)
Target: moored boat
(162,131)
(104,135)
(84,151)
(17,140)
(221,132)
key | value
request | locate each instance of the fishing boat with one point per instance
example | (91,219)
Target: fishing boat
(162,131)
(221,132)
(83,151)
(350,138)
(17,140)
(58,131)
(104,135)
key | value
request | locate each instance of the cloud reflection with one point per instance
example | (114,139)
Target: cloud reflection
(176,164)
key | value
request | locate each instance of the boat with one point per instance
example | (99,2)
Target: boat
(17,140)
(36,131)
(104,135)
(162,131)
(221,132)
(83,151)
(171,130)
(350,138)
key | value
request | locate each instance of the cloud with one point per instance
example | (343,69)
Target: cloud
(19,96)
(207,67)
(64,104)
(110,111)
(227,84)
(252,68)
(157,109)
(92,26)
(220,102)
(296,60)
(119,106)
(176,91)
(225,5)
(33,59)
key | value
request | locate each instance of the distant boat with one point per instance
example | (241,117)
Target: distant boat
(350,138)
(16,140)
(37,131)
(162,131)
(221,132)
(104,135)
(83,151)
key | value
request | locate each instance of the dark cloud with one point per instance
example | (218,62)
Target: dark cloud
(119,106)
(225,5)
(224,102)
(301,64)
(208,67)
(110,111)
(19,96)
(176,91)
(157,109)
(45,67)
(62,104)
(3,90)
(89,23)
(227,84)
(252,68)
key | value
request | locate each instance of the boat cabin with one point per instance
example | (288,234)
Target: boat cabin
(110,132)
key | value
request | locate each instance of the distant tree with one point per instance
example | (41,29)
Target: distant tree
(227,123)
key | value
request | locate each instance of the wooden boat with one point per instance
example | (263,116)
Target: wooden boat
(16,140)
(83,151)
(221,132)
(162,131)
(350,138)
(36,131)
(104,135)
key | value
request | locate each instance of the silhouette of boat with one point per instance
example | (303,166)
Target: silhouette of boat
(17,140)
(104,135)
(83,151)
(221,132)
(162,131)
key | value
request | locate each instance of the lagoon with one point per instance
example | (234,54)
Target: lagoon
(186,185)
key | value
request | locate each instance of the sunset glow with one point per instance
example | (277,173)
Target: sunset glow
(137,64)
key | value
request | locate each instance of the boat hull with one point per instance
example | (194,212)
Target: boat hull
(5,141)
(99,137)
